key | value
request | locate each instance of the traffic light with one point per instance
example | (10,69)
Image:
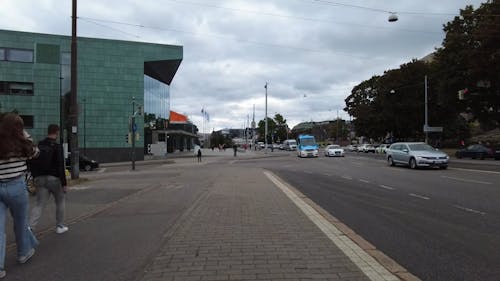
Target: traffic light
(128,138)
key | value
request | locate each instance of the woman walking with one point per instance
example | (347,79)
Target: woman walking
(16,147)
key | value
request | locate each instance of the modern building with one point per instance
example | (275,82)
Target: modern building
(115,78)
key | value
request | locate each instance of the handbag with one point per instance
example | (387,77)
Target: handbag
(30,184)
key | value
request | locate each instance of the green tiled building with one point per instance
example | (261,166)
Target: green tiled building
(35,81)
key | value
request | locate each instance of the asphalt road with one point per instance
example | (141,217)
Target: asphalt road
(439,224)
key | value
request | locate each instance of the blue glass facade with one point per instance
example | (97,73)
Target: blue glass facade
(156,97)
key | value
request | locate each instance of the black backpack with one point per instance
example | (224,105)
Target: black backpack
(44,163)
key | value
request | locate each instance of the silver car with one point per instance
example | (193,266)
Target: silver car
(415,155)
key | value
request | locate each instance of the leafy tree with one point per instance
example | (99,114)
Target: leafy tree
(271,126)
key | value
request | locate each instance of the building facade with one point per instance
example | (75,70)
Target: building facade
(113,76)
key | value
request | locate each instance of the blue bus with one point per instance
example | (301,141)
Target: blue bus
(306,146)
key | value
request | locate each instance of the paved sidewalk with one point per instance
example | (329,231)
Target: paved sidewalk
(246,228)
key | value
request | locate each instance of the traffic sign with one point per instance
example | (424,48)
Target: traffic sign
(134,127)
(428,129)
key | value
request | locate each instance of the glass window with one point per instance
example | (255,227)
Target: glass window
(2,54)
(28,121)
(15,88)
(156,98)
(20,55)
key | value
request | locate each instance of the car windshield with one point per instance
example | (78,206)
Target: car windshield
(307,142)
(421,147)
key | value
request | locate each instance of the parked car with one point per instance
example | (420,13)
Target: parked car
(276,146)
(381,148)
(479,151)
(85,163)
(366,147)
(334,150)
(415,155)
(352,147)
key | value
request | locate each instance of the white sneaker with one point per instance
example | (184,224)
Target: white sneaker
(24,259)
(60,229)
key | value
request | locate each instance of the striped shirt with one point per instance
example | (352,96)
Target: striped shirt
(12,168)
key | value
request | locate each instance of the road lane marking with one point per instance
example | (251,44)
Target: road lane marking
(308,172)
(469,210)
(466,180)
(474,170)
(101,170)
(365,181)
(328,175)
(366,263)
(419,196)
(347,177)
(386,187)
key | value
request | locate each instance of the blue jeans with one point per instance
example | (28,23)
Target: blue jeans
(14,196)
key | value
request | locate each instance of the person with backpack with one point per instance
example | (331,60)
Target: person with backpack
(50,178)
(16,147)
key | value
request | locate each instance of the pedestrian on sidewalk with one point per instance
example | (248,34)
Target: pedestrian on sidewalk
(15,148)
(50,178)
(235,148)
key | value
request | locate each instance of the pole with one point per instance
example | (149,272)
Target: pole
(265,133)
(338,127)
(132,129)
(426,111)
(84,126)
(61,130)
(73,116)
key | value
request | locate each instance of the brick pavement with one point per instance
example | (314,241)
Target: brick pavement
(246,228)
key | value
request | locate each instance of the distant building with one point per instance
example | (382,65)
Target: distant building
(35,81)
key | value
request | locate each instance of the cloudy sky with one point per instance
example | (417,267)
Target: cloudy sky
(312,52)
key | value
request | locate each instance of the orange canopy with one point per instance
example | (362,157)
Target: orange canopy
(177,117)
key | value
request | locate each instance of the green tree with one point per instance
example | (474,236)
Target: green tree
(281,128)
(470,58)
(271,126)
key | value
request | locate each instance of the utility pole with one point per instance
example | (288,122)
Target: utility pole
(73,116)
(253,127)
(265,131)
(426,125)
(338,127)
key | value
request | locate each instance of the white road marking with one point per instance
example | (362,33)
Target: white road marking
(473,170)
(469,210)
(101,170)
(328,175)
(386,187)
(366,263)
(365,181)
(308,172)
(466,180)
(347,177)
(419,196)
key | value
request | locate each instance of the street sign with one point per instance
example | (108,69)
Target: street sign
(134,127)
(428,129)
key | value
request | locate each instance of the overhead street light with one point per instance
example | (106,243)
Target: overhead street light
(393,17)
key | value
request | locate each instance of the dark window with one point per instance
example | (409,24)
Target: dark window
(16,88)
(28,121)
(161,137)
(2,54)
(19,55)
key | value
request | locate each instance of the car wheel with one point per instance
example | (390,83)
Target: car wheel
(459,156)
(390,161)
(413,163)
(444,167)
(87,167)
(481,156)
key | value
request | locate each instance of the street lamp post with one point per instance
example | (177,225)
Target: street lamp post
(265,131)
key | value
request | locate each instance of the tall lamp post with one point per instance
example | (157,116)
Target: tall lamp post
(75,154)
(265,131)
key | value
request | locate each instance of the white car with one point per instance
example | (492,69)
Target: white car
(381,148)
(334,150)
